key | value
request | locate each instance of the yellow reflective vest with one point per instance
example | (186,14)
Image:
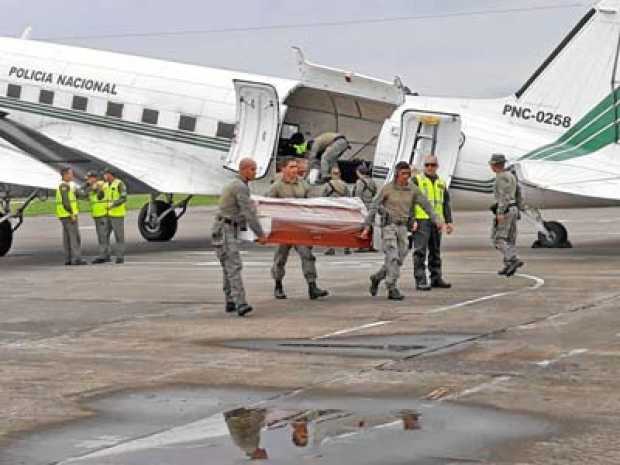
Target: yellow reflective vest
(113,196)
(99,207)
(61,212)
(300,149)
(434,192)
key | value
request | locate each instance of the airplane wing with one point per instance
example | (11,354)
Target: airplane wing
(156,165)
(594,175)
(17,168)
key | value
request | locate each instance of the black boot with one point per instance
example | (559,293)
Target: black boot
(502,272)
(394,294)
(315,292)
(422,285)
(374,286)
(278,291)
(244,309)
(513,267)
(230,307)
(440,283)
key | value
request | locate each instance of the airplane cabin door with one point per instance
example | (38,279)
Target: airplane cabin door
(425,133)
(257,125)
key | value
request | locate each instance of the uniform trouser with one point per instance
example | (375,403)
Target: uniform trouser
(103,238)
(227,244)
(71,240)
(308,262)
(426,242)
(395,247)
(331,154)
(504,236)
(116,225)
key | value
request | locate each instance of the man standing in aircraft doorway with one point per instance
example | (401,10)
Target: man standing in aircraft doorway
(117,199)
(325,150)
(427,238)
(506,215)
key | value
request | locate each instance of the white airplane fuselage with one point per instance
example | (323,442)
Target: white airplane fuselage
(196,108)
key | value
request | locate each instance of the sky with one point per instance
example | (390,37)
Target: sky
(477,48)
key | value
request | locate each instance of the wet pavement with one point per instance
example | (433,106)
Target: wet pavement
(139,362)
(197,426)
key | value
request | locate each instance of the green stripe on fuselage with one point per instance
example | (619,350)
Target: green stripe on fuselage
(594,131)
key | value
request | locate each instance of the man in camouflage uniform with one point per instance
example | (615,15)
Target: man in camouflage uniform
(245,426)
(325,151)
(335,187)
(397,200)
(365,189)
(506,215)
(290,186)
(236,210)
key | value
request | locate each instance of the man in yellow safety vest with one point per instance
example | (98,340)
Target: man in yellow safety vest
(117,199)
(67,212)
(97,192)
(427,238)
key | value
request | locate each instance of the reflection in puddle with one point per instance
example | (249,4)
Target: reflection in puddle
(310,429)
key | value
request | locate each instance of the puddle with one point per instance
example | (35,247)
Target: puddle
(362,346)
(221,427)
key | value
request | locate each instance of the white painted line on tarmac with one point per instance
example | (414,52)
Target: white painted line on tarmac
(354,329)
(572,353)
(538,283)
(478,388)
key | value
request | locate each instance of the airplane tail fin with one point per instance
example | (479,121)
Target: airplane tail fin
(581,74)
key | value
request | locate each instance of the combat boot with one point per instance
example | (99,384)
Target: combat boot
(394,294)
(374,286)
(244,309)
(314,292)
(502,272)
(422,285)
(230,307)
(440,283)
(330,252)
(513,266)
(278,291)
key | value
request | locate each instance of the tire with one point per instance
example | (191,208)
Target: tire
(167,226)
(558,233)
(6,237)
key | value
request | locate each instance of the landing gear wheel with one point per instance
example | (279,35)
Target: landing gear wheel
(6,237)
(164,230)
(558,237)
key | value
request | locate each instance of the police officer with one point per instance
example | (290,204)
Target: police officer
(335,187)
(97,192)
(506,215)
(290,186)
(427,238)
(67,210)
(236,210)
(325,150)
(365,189)
(397,200)
(117,199)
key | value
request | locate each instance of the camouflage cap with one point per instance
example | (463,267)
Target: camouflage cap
(108,169)
(497,159)
(92,174)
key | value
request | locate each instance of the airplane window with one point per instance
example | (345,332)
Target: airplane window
(46,97)
(79,103)
(14,91)
(150,116)
(225,130)
(115,110)
(187,123)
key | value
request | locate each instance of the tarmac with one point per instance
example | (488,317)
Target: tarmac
(528,366)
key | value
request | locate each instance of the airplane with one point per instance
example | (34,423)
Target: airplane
(176,129)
